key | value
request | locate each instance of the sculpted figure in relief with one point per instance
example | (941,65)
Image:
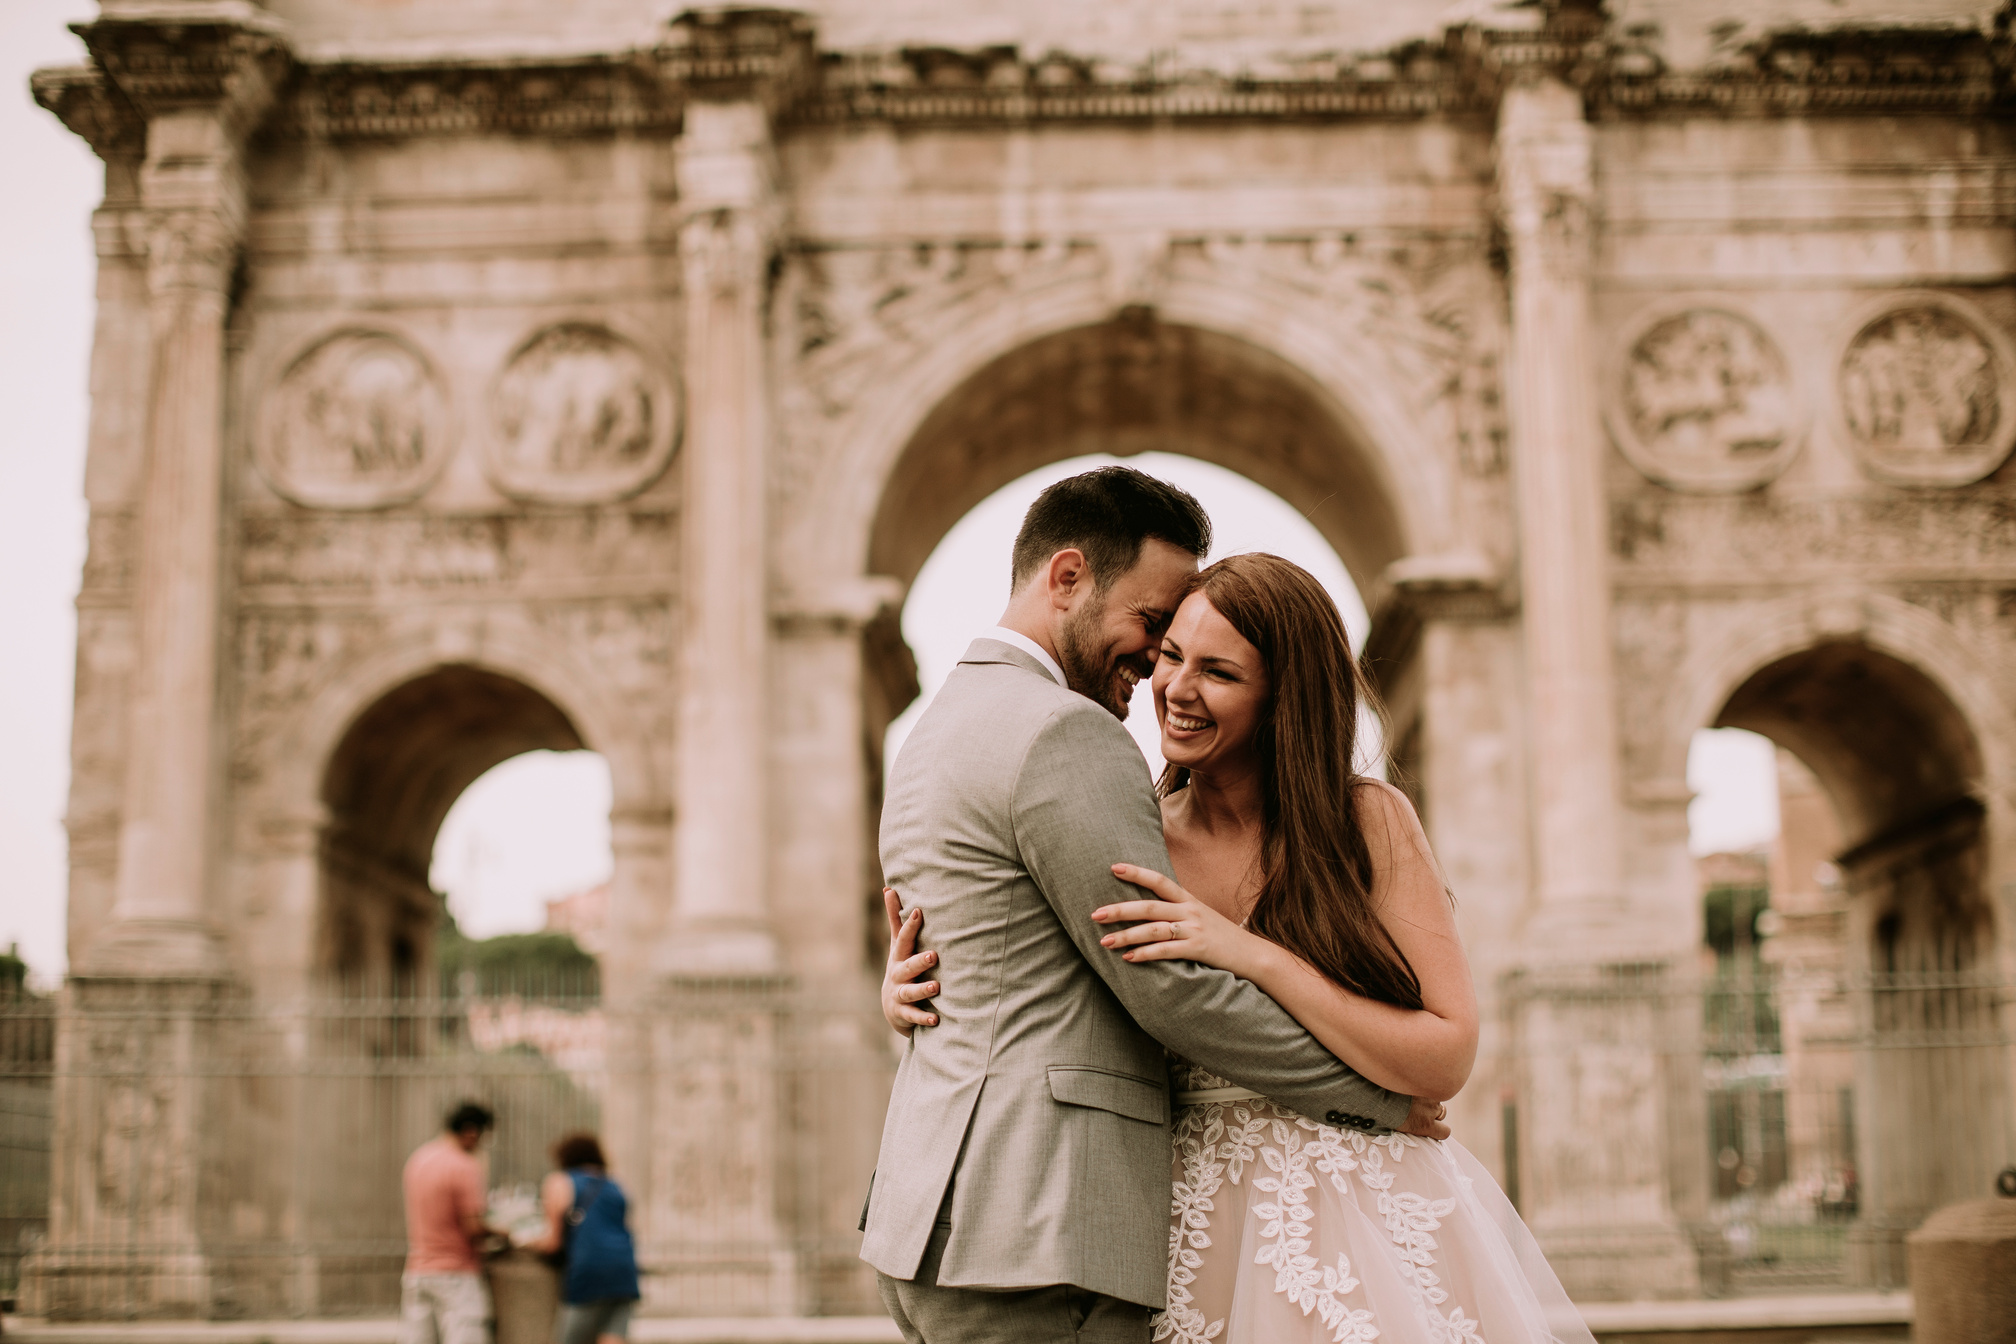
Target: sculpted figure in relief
(1705,401)
(580,414)
(575,400)
(1707,384)
(1921,381)
(356,421)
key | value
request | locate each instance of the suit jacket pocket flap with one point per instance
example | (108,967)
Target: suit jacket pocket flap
(1120,1093)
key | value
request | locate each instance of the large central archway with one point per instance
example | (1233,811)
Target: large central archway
(1127,386)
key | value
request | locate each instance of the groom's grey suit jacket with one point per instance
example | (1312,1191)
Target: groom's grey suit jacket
(1041,1100)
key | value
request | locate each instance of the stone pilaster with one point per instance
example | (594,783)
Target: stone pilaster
(1595,1018)
(202,87)
(1546,189)
(733,67)
(147,1033)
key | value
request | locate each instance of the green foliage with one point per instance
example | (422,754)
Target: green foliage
(13,973)
(538,964)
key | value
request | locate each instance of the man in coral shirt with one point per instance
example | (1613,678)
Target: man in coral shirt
(443,1299)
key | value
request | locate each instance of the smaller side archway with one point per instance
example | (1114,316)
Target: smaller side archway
(1902,767)
(390,781)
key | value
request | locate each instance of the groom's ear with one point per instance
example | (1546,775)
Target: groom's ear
(1067,576)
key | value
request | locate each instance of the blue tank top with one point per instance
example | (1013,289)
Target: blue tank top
(601,1259)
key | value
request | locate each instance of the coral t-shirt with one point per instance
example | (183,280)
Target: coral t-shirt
(444,1186)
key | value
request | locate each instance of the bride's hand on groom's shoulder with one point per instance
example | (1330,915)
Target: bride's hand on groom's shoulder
(1174,927)
(902,991)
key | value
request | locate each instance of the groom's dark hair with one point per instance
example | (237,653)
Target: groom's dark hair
(1108,514)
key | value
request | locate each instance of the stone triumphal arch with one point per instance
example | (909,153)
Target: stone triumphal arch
(468,383)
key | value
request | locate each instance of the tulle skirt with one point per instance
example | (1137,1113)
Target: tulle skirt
(1284,1231)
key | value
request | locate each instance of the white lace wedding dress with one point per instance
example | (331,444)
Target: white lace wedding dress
(1284,1231)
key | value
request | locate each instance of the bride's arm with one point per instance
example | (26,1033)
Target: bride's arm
(1424,1052)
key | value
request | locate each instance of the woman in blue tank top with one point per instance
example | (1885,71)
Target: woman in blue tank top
(585,1226)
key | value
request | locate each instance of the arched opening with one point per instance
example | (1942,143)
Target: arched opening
(1122,388)
(394,1044)
(1128,386)
(1854,1080)
(965,581)
(388,787)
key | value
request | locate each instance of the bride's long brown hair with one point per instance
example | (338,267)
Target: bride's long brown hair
(1316,888)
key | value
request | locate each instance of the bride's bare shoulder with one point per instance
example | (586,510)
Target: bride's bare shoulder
(1391,826)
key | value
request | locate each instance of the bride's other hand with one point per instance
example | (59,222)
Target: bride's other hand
(1176,927)
(900,987)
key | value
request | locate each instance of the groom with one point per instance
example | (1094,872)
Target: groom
(1023,1187)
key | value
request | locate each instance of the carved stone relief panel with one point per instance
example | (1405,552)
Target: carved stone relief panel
(359,420)
(1701,398)
(1924,392)
(581,415)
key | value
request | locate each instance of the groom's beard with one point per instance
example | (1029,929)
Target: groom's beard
(1091,671)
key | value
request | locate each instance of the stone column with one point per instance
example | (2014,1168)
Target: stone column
(1597,1022)
(149,1044)
(202,88)
(726,171)
(715,1191)
(1545,184)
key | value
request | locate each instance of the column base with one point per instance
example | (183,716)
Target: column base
(155,949)
(131,1283)
(724,951)
(1637,1261)
(715,1190)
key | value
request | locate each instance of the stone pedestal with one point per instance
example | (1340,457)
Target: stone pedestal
(145,1099)
(1963,1273)
(716,1174)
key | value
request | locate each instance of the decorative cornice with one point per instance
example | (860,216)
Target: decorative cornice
(95,111)
(1844,72)
(935,86)
(736,55)
(166,67)
(768,56)
(590,96)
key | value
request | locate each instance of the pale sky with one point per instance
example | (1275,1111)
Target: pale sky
(535,827)
(52,181)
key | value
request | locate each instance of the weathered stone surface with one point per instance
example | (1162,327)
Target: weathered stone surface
(473,378)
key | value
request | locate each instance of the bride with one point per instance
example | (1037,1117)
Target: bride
(1316,884)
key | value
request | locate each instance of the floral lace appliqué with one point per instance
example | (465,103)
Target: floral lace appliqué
(1221,1142)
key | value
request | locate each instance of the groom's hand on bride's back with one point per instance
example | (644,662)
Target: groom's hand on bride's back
(1425,1120)
(905,999)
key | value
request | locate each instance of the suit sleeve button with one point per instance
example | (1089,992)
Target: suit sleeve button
(1336,1118)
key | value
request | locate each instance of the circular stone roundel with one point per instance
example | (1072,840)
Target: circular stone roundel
(1702,399)
(1924,388)
(581,416)
(358,420)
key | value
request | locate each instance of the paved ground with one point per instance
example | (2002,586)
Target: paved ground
(1835,1318)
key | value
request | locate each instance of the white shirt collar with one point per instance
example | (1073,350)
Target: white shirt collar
(1028,646)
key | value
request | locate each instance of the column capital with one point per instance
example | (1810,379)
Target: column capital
(1458,586)
(1546,176)
(192,249)
(726,252)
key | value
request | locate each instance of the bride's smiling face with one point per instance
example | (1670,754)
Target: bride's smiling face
(1211,689)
